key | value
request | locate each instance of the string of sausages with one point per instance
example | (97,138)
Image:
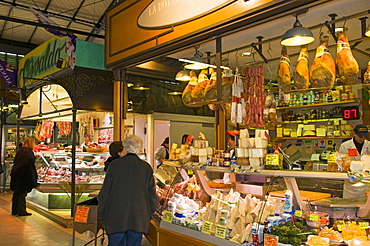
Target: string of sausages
(254,96)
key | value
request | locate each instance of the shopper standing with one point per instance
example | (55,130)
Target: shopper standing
(127,198)
(115,151)
(24,177)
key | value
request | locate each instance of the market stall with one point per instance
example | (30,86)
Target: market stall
(59,96)
(306,95)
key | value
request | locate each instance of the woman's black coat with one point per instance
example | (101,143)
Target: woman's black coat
(24,174)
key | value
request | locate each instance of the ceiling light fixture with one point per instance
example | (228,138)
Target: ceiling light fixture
(140,88)
(23,96)
(175,93)
(298,35)
(367,32)
(183,75)
(196,62)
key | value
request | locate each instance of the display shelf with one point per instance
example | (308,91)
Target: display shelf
(308,121)
(297,138)
(319,104)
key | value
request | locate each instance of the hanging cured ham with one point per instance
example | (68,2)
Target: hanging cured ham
(301,72)
(322,72)
(347,65)
(367,74)
(283,73)
(186,94)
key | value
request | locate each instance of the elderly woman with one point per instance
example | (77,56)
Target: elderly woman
(127,198)
(24,177)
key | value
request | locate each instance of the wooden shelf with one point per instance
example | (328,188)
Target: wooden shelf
(319,104)
(308,121)
(297,138)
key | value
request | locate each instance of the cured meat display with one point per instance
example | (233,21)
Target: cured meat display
(347,65)
(187,93)
(301,72)
(46,130)
(86,126)
(254,96)
(238,104)
(64,127)
(283,73)
(367,74)
(322,72)
(197,93)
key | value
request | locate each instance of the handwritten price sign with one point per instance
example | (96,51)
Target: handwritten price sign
(207,227)
(82,213)
(352,152)
(270,240)
(220,231)
(167,216)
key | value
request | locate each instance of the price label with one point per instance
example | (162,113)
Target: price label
(332,158)
(82,213)
(167,216)
(314,217)
(207,227)
(352,152)
(340,227)
(298,213)
(220,231)
(271,240)
(272,159)
(363,223)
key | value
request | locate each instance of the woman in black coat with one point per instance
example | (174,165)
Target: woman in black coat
(24,177)
(115,151)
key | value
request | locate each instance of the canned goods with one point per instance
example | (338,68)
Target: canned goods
(348,89)
(352,96)
(344,96)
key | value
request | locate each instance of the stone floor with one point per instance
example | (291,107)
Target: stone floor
(37,230)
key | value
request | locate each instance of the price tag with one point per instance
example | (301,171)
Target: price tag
(207,227)
(363,223)
(352,152)
(332,158)
(167,216)
(298,213)
(271,240)
(220,231)
(314,217)
(272,159)
(82,213)
(190,172)
(340,227)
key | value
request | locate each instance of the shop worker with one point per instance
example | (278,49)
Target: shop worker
(355,148)
(86,143)
(162,153)
(127,198)
(231,135)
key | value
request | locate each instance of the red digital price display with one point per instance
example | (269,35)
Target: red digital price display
(350,113)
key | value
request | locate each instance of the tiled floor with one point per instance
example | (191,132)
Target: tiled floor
(37,230)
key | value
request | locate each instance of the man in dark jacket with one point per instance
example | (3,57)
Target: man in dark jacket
(24,177)
(127,198)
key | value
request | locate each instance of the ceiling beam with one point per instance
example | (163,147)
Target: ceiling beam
(34,30)
(17,44)
(50,26)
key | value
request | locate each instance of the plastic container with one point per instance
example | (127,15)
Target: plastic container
(288,201)
(286,217)
(271,220)
(278,219)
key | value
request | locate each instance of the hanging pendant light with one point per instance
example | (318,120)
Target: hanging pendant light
(298,35)
(183,75)
(367,32)
(196,62)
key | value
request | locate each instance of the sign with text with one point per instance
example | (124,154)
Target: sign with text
(167,216)
(220,231)
(271,240)
(82,213)
(207,227)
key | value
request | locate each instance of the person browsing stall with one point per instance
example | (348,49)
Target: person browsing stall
(24,177)
(128,197)
(356,147)
(115,151)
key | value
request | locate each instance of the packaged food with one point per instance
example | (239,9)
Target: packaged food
(317,241)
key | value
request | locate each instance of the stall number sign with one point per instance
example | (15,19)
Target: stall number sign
(270,240)
(207,227)
(220,231)
(272,159)
(167,216)
(82,213)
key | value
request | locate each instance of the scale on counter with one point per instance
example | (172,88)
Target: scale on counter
(320,159)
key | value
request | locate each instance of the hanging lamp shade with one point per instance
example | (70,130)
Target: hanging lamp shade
(196,63)
(367,32)
(298,35)
(183,75)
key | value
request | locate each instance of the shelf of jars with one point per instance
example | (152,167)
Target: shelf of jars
(314,137)
(319,104)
